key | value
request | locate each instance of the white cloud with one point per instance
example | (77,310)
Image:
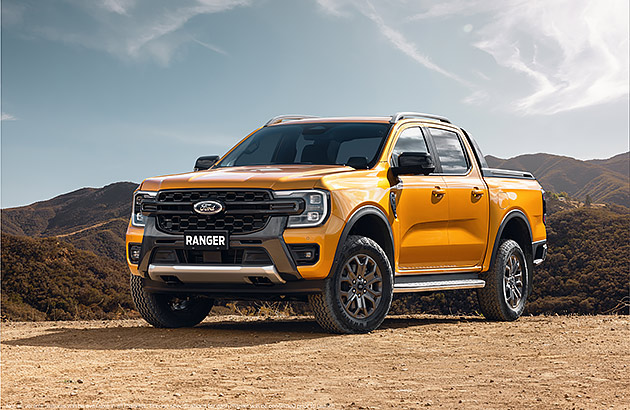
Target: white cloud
(8,117)
(335,7)
(453,7)
(574,52)
(476,98)
(136,29)
(209,46)
(571,53)
(561,55)
(397,38)
(118,6)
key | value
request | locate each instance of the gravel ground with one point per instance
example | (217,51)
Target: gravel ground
(231,362)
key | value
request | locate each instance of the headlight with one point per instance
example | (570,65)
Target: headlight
(315,207)
(137,218)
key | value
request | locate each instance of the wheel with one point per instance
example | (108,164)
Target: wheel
(358,294)
(165,310)
(504,296)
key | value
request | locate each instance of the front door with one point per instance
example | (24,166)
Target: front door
(422,210)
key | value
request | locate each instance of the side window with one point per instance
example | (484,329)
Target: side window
(410,140)
(450,150)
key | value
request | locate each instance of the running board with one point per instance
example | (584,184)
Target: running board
(430,283)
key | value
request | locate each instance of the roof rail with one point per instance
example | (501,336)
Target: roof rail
(283,118)
(402,115)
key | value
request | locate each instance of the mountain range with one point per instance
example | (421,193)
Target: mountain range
(603,180)
(73,246)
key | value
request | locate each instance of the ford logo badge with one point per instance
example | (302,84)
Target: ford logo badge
(208,207)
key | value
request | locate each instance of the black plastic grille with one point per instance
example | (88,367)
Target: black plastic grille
(245,211)
(223,196)
(231,223)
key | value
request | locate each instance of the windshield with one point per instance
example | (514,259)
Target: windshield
(340,143)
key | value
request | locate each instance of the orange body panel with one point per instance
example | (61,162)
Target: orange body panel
(509,194)
(432,234)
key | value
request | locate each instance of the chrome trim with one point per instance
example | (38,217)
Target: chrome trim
(408,114)
(214,273)
(215,209)
(506,173)
(291,117)
(439,285)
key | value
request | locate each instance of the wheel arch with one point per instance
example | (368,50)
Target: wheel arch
(371,222)
(514,226)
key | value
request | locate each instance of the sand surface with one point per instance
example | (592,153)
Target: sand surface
(231,362)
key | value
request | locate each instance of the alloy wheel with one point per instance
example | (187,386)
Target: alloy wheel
(360,286)
(513,281)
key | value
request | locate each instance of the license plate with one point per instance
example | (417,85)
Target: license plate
(206,240)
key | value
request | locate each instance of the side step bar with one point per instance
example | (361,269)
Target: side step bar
(430,283)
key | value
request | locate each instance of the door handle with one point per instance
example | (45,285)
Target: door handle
(477,193)
(437,191)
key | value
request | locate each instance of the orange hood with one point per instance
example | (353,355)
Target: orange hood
(277,177)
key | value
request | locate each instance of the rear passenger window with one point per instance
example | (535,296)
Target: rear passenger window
(410,140)
(450,151)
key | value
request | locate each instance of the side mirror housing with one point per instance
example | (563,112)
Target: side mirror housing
(206,162)
(414,163)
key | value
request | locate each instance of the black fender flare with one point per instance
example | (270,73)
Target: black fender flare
(358,214)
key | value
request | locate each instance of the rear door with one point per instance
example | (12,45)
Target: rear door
(468,202)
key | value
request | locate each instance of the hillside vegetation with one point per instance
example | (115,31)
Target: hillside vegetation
(588,266)
(586,272)
(65,258)
(48,279)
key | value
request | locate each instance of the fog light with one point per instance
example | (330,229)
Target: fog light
(134,252)
(305,254)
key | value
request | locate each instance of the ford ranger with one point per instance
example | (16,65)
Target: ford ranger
(339,212)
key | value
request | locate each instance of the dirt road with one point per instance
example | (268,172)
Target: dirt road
(241,362)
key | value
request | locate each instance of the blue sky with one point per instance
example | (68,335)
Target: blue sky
(95,92)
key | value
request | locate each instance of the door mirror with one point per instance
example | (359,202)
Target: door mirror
(414,163)
(206,162)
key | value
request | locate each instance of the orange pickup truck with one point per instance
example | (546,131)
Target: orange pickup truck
(339,212)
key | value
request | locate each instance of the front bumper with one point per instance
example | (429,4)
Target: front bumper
(282,268)
(215,274)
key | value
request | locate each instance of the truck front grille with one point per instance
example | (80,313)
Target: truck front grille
(245,211)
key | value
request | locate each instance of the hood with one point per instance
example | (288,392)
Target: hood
(278,177)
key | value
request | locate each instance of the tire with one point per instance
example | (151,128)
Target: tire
(507,284)
(168,310)
(338,309)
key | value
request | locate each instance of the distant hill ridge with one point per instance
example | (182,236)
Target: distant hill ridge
(90,211)
(70,212)
(82,273)
(604,180)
